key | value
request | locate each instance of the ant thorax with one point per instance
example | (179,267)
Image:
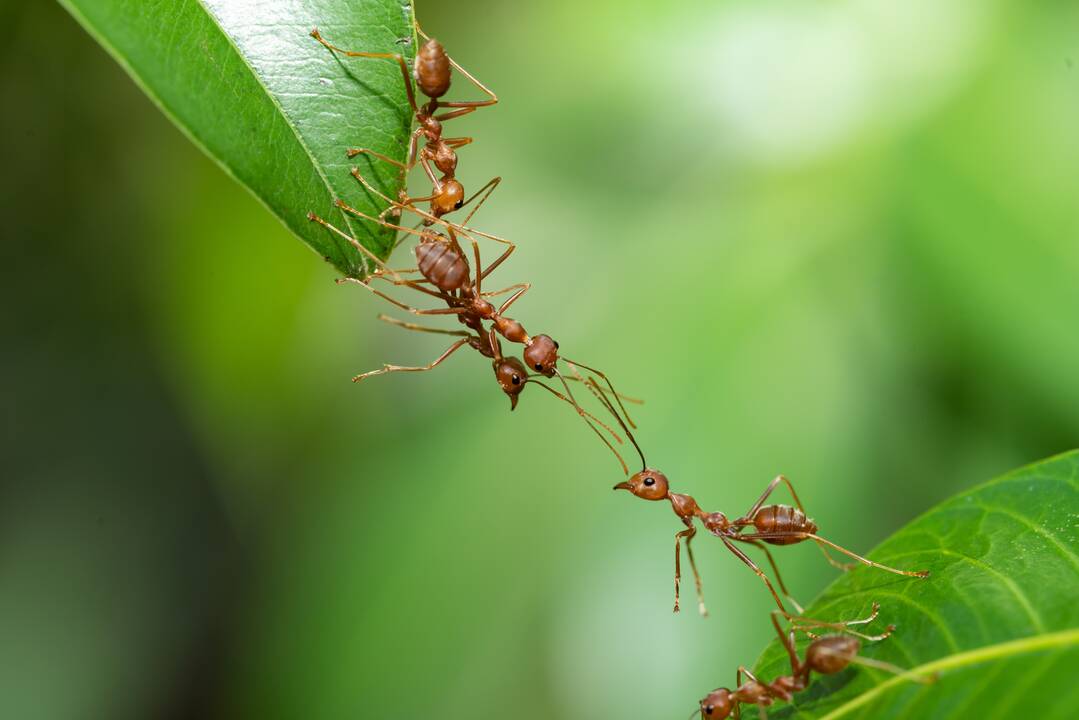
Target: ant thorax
(716,523)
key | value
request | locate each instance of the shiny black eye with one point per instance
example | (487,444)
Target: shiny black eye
(708,710)
(458,205)
(516,380)
(649,481)
(539,366)
(555,344)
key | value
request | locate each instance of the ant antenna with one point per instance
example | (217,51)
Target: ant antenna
(695,712)
(610,407)
(608,381)
(587,415)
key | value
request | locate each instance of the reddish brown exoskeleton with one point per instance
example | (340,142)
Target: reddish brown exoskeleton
(825,656)
(773,525)
(432,72)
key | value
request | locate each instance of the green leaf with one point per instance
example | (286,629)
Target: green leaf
(246,82)
(998,618)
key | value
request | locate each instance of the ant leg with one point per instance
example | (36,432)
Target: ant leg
(894,669)
(421,328)
(760,573)
(457,143)
(696,575)
(678,561)
(779,578)
(787,641)
(747,518)
(403,306)
(845,567)
(353,152)
(387,56)
(401,368)
(367,254)
(859,558)
(803,624)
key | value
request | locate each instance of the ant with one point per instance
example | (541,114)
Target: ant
(541,352)
(773,524)
(432,71)
(825,655)
(443,263)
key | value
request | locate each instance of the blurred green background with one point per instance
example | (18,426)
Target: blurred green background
(835,240)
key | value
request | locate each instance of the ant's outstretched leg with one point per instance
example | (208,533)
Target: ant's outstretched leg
(760,573)
(865,561)
(353,152)
(367,254)
(403,306)
(775,568)
(689,532)
(764,496)
(422,328)
(387,56)
(401,368)
(696,575)
(804,624)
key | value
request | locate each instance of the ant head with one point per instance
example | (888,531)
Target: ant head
(450,199)
(648,484)
(832,653)
(512,376)
(717,704)
(542,355)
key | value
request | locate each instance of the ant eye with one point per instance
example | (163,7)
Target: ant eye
(539,366)
(555,344)
(516,380)
(708,710)
(649,481)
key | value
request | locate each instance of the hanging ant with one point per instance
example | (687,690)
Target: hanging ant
(825,655)
(432,73)
(443,264)
(773,524)
(541,352)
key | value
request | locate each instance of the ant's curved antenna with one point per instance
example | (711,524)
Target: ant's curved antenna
(607,380)
(586,415)
(603,398)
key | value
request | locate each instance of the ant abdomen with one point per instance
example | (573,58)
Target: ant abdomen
(442,264)
(783,519)
(831,654)
(433,69)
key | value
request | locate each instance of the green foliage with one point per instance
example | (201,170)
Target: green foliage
(997,619)
(246,82)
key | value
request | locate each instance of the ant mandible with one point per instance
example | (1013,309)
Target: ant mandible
(773,524)
(825,655)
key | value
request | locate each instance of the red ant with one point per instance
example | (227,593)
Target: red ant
(443,264)
(773,524)
(825,655)
(432,72)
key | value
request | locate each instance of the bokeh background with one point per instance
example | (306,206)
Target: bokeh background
(836,240)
